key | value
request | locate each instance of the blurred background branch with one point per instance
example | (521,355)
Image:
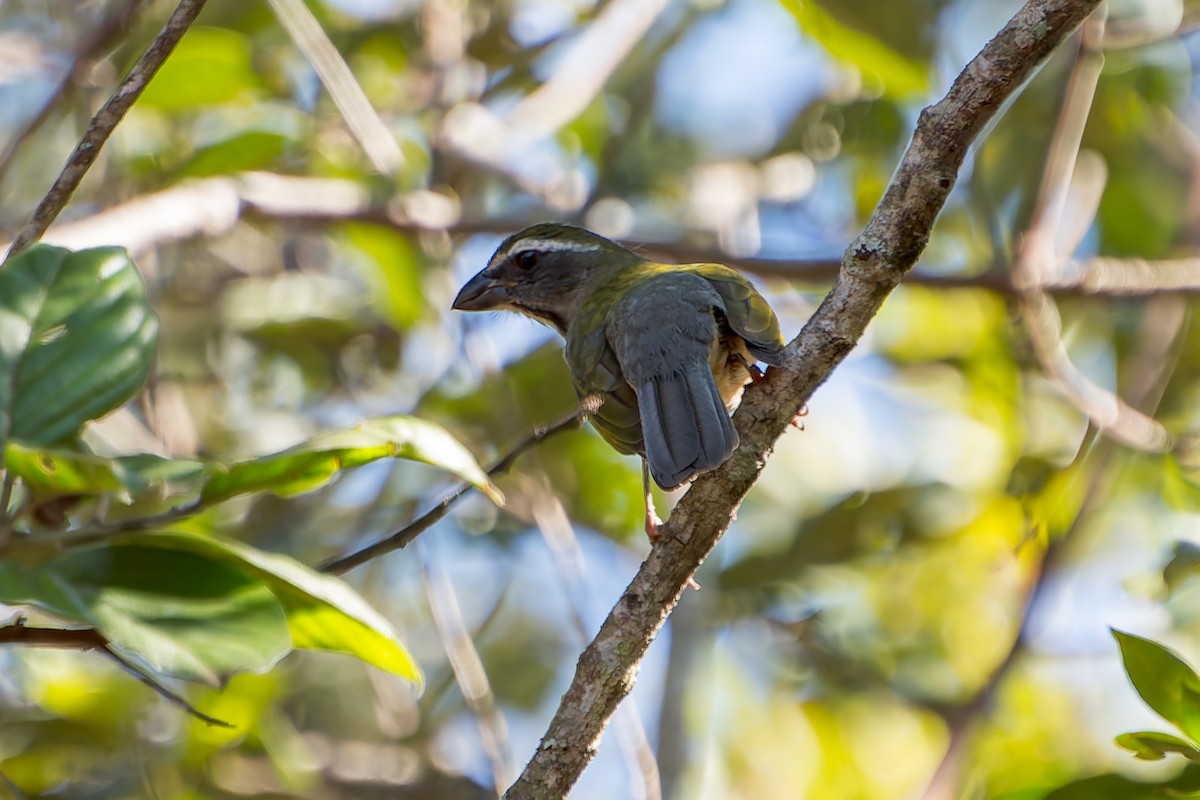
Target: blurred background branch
(104,123)
(363,121)
(104,36)
(215,206)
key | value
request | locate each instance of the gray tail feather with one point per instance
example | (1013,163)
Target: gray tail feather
(684,425)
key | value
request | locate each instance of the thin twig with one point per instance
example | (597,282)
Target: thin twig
(91,639)
(412,530)
(97,41)
(163,691)
(873,265)
(91,534)
(104,123)
(361,118)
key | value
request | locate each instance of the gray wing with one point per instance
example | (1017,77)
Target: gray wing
(662,335)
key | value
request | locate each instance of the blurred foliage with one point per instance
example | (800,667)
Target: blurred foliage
(874,581)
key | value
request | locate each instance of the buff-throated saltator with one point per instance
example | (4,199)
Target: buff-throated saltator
(666,349)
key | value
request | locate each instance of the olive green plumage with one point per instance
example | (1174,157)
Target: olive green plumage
(666,348)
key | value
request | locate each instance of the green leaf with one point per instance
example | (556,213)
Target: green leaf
(393,272)
(1184,563)
(323,612)
(1164,681)
(56,472)
(61,471)
(901,77)
(1154,746)
(316,462)
(244,152)
(76,340)
(210,66)
(183,613)
(144,472)
(1118,787)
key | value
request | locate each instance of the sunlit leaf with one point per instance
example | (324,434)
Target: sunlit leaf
(76,340)
(1164,681)
(323,612)
(51,471)
(1154,746)
(314,463)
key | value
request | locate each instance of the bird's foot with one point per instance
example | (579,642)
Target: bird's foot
(652,523)
(797,421)
(590,405)
(756,374)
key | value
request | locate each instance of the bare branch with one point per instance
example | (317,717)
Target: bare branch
(361,118)
(412,530)
(873,265)
(91,534)
(60,638)
(104,123)
(97,41)
(1126,277)
(161,690)
(1115,417)
(91,639)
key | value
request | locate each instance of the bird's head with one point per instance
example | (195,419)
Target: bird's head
(542,271)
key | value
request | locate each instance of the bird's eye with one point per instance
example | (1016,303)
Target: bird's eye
(526,259)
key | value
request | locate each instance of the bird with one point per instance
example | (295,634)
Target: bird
(659,354)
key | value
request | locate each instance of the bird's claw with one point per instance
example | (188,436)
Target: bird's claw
(756,374)
(652,524)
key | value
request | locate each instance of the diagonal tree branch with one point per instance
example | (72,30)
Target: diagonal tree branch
(104,123)
(98,39)
(872,267)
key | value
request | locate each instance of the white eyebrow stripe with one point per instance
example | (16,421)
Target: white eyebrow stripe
(545,245)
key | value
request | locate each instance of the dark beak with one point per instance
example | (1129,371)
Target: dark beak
(481,293)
